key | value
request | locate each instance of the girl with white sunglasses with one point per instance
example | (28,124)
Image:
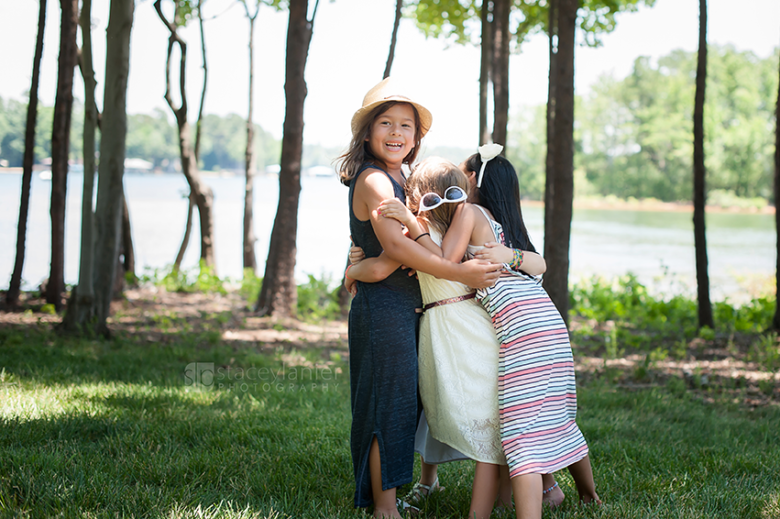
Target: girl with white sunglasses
(458,350)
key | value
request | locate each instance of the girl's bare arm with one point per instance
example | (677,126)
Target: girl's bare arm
(533,263)
(371,190)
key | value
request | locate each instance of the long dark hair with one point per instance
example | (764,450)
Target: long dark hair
(500,194)
(359,151)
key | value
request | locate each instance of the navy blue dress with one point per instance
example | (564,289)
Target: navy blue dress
(383,365)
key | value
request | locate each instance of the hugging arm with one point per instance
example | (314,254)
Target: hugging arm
(374,189)
(532,263)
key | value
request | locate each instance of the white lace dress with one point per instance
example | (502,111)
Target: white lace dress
(458,372)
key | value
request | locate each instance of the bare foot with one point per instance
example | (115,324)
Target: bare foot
(553,497)
(586,499)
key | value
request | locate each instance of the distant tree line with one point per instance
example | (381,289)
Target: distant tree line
(150,137)
(633,135)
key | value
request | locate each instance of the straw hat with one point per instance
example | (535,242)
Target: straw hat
(386,91)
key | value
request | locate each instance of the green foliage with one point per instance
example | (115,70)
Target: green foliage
(766,352)
(634,135)
(152,137)
(630,317)
(13,121)
(316,301)
(458,21)
(200,279)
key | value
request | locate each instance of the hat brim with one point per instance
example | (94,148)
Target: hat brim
(426,119)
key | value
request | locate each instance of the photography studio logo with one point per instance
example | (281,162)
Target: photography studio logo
(199,374)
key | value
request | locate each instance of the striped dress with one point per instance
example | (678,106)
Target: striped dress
(537,396)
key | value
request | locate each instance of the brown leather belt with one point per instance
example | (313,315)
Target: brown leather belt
(457,299)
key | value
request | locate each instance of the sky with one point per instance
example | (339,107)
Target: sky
(347,57)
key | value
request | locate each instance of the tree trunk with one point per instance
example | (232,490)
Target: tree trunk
(205,81)
(108,215)
(60,147)
(556,243)
(500,70)
(486,58)
(200,191)
(394,38)
(278,296)
(250,259)
(12,296)
(187,232)
(128,251)
(699,175)
(80,305)
(776,320)
(551,80)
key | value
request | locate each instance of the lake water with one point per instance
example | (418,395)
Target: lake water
(609,243)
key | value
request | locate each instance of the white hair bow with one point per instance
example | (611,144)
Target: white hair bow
(487,152)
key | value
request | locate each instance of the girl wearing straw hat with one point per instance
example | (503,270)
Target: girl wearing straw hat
(386,134)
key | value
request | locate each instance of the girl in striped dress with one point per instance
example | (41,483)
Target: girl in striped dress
(537,391)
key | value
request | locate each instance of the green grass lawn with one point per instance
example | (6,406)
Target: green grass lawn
(112,429)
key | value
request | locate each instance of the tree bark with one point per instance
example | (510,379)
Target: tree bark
(128,251)
(776,320)
(60,147)
(80,305)
(110,196)
(551,81)
(500,69)
(14,288)
(557,235)
(394,38)
(191,199)
(187,233)
(200,191)
(699,176)
(278,296)
(205,81)
(250,259)
(485,66)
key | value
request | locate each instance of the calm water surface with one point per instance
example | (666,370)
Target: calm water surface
(603,242)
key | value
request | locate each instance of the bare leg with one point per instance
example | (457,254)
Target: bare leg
(527,489)
(483,490)
(384,500)
(552,495)
(427,474)
(504,487)
(582,473)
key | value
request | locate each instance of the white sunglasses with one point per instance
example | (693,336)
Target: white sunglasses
(452,195)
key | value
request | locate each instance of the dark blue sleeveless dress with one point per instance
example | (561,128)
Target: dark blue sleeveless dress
(383,365)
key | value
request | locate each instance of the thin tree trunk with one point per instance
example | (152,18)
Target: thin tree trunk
(60,148)
(128,251)
(188,226)
(80,304)
(556,243)
(500,70)
(205,81)
(699,176)
(278,296)
(486,58)
(187,232)
(399,4)
(12,296)
(776,320)
(201,192)
(250,259)
(108,214)
(549,194)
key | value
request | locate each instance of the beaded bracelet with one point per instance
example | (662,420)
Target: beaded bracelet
(550,489)
(517,259)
